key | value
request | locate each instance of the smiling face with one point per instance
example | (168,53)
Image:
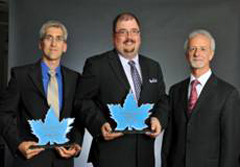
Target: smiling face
(53,44)
(199,53)
(127,38)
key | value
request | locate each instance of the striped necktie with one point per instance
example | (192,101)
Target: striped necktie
(136,78)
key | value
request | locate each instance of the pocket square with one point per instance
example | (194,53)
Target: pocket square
(153,80)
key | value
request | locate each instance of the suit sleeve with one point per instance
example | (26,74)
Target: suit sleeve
(167,136)
(9,106)
(230,133)
(77,133)
(161,108)
(86,104)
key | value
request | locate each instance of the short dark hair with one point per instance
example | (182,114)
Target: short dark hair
(124,17)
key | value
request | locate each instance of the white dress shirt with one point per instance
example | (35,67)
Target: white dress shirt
(202,79)
(127,70)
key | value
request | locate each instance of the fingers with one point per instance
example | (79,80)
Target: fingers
(155,128)
(111,136)
(63,152)
(106,128)
(76,148)
(68,153)
(108,134)
(24,148)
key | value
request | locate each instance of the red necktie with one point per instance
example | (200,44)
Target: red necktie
(193,96)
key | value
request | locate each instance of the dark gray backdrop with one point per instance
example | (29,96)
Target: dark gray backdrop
(165,26)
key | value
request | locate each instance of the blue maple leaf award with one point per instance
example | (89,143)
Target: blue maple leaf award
(51,130)
(130,116)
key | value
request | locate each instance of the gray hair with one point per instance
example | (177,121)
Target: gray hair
(204,33)
(53,23)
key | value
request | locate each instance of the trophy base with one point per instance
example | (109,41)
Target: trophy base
(144,131)
(49,146)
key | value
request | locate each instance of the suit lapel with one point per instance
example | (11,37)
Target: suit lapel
(36,76)
(184,97)
(66,79)
(117,68)
(207,90)
(145,73)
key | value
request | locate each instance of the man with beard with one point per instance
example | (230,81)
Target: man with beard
(107,79)
(203,129)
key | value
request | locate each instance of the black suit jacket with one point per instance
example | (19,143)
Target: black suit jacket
(210,136)
(25,100)
(104,82)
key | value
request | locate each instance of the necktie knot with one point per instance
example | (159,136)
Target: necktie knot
(131,63)
(194,83)
(52,73)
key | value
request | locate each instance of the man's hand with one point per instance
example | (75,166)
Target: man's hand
(107,132)
(73,150)
(156,128)
(24,148)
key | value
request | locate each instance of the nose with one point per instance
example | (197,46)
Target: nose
(53,42)
(128,34)
(196,52)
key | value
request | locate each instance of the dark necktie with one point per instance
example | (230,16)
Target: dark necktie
(52,92)
(136,79)
(193,96)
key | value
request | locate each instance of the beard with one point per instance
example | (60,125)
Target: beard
(131,48)
(197,64)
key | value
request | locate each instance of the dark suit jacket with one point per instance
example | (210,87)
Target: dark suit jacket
(25,100)
(104,82)
(210,136)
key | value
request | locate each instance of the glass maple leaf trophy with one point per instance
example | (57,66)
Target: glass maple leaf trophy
(51,132)
(130,117)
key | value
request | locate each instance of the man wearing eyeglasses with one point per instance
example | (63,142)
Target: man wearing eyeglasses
(29,96)
(107,79)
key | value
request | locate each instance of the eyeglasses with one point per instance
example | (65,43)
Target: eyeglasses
(50,38)
(124,32)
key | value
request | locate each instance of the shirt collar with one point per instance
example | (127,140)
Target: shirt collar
(125,61)
(45,69)
(203,78)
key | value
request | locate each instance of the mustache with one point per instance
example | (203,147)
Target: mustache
(197,59)
(129,40)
